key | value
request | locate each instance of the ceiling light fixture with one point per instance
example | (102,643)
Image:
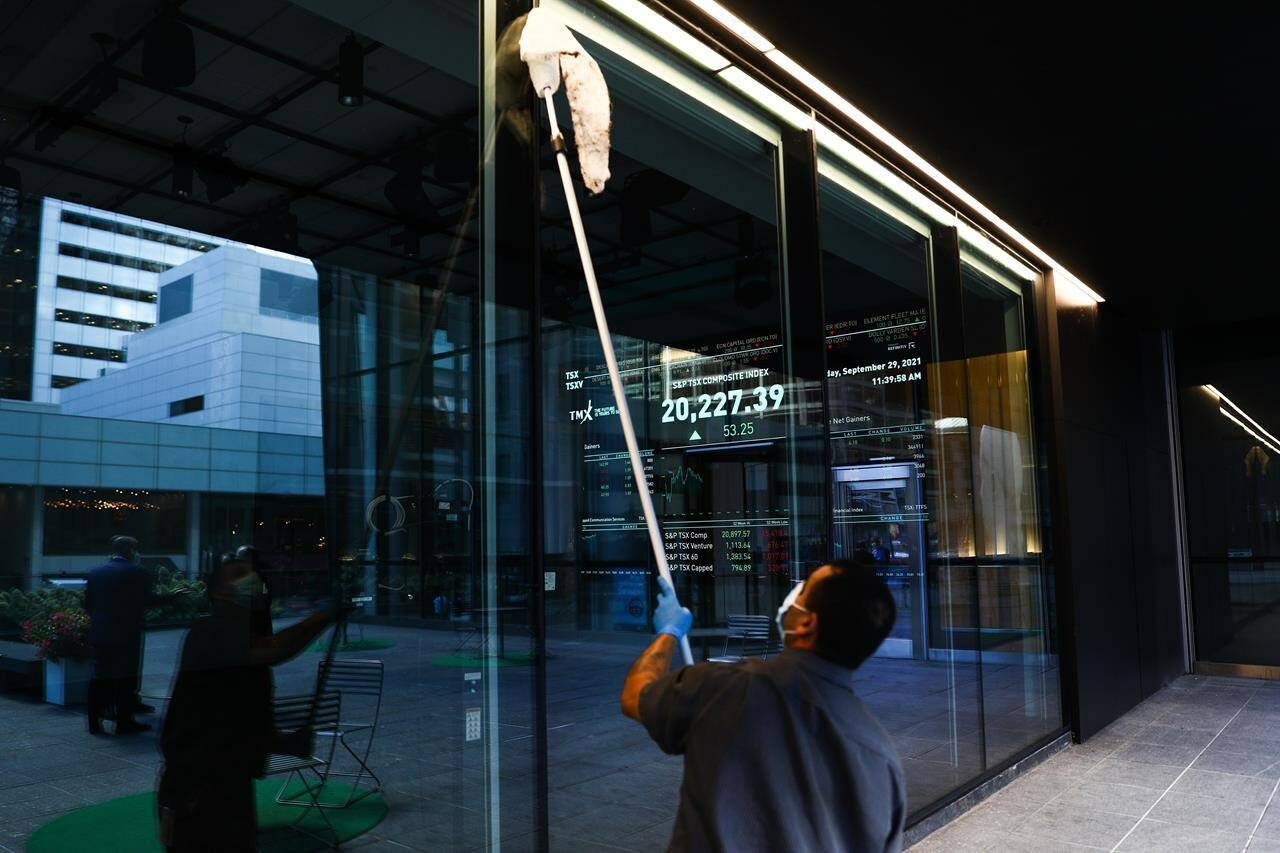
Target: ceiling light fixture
(350,72)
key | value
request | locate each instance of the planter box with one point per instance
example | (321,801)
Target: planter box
(66,682)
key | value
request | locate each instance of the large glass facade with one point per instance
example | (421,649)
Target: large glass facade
(687,250)
(1228,413)
(353,333)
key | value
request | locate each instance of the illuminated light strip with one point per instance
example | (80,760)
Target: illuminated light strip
(858,185)
(634,45)
(696,50)
(738,26)
(673,36)
(875,170)
(1063,275)
(1240,424)
(868,124)
(766,97)
(1224,398)
(668,33)
(985,246)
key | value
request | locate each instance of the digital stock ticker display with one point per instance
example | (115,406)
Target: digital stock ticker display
(712,425)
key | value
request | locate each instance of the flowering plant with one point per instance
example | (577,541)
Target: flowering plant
(61,634)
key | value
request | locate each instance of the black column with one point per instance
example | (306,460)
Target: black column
(809,483)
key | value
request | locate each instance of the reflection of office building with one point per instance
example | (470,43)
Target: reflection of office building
(188,372)
(98,278)
(68,482)
(236,346)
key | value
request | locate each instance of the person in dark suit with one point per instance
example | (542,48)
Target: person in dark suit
(116,598)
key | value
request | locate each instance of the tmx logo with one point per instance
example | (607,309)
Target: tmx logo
(590,413)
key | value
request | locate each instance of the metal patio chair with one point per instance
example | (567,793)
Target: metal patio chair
(753,634)
(291,713)
(465,629)
(359,683)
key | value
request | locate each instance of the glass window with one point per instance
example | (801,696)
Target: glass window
(386,453)
(1013,624)
(205,442)
(686,248)
(186,407)
(175,299)
(1229,417)
(287,295)
(82,521)
(892,418)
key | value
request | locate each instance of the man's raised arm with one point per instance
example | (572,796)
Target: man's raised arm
(673,623)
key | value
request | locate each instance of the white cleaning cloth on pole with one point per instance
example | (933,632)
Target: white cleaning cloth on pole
(552,52)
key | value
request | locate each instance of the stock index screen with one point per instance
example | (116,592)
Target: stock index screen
(711,425)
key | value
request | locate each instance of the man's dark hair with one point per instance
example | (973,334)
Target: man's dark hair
(855,612)
(123,545)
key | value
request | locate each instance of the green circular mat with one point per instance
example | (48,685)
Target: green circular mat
(511,659)
(353,646)
(128,825)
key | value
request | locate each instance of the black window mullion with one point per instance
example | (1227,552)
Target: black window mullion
(804,329)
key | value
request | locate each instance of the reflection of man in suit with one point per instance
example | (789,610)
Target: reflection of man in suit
(116,597)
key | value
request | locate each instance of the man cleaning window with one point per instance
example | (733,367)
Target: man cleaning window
(779,754)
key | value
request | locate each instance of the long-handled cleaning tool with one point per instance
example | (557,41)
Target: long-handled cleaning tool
(542,44)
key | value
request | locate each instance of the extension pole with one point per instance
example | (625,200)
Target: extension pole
(606,343)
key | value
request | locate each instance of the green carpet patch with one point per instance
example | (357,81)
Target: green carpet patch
(361,645)
(128,824)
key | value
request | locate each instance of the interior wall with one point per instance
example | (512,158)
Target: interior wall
(1115,527)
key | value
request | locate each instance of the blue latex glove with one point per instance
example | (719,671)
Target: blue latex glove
(670,617)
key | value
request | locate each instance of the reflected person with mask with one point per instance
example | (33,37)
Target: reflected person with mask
(779,753)
(218,730)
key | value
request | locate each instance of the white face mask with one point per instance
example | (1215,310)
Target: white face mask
(788,603)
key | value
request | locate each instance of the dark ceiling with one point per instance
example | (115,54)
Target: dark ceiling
(82,120)
(1135,145)
(1137,148)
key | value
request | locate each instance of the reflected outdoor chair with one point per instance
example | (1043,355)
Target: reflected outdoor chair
(359,684)
(753,635)
(466,628)
(290,714)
